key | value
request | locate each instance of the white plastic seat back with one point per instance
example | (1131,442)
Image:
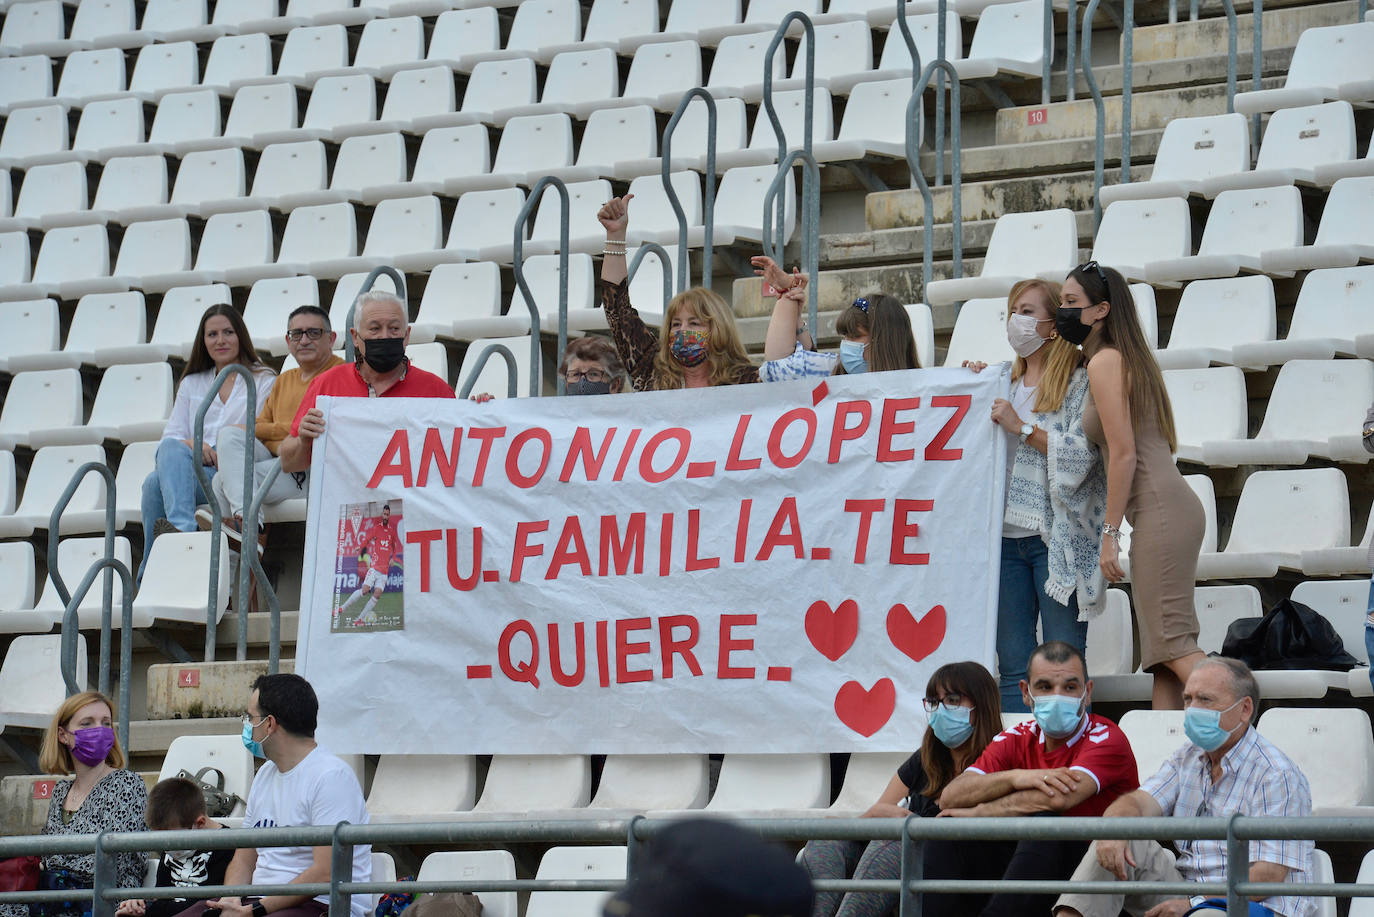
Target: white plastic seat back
(664,69)
(31,23)
(134,402)
(1345,604)
(613,20)
(311,49)
(237,57)
(367,160)
(31,683)
(865,778)
(1135,233)
(646,289)
(494,377)
(999,40)
(210,175)
(1318,400)
(71,253)
(174,579)
(472,865)
(642,782)
(319,233)
(50,473)
(576,863)
(1218,606)
(1208,404)
(1195,149)
(581,77)
(154,247)
(925,30)
(337,101)
(224,753)
(791,109)
(16,575)
(1323,63)
(138,461)
(540,24)
(750,783)
(25,79)
(262,109)
(1331,746)
(739,202)
(1303,137)
(34,326)
(102,19)
(131,181)
(432,358)
(40,400)
(34,131)
(180,314)
(534,143)
(875,115)
(485,218)
(542,275)
(53,188)
(457,295)
(9,487)
(91,73)
(463,32)
(616,134)
(422,785)
(1154,735)
(585,232)
(689,138)
(453,152)
(1109,637)
(654,217)
(1347,215)
(739,63)
(75,557)
(1291,511)
(270,304)
(499,84)
(14,257)
(173,16)
(419,93)
(397,40)
(1247,222)
(404,226)
(1215,315)
(842,48)
(980,333)
(163,67)
(695,15)
(923,330)
(111,123)
(522,783)
(1027,244)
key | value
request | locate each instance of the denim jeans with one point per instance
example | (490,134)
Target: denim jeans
(1369,631)
(1021,600)
(171,492)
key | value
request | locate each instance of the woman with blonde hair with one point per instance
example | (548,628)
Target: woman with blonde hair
(699,344)
(1056,492)
(100,796)
(1129,415)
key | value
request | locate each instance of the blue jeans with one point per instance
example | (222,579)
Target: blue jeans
(1369,631)
(171,492)
(1021,600)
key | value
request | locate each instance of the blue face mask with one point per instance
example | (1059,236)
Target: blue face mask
(1203,727)
(1058,714)
(951,725)
(852,357)
(250,743)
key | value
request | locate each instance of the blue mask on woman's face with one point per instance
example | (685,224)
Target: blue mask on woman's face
(1058,714)
(951,725)
(1203,727)
(852,356)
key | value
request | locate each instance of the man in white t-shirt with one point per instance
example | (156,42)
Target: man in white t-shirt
(300,784)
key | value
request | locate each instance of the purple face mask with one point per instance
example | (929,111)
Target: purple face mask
(93,744)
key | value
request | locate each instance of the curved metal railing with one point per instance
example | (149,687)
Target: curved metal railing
(646,248)
(808,111)
(520,223)
(55,571)
(512,371)
(71,628)
(913,160)
(709,201)
(810,228)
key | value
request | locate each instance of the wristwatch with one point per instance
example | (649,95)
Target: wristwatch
(1026,431)
(259,909)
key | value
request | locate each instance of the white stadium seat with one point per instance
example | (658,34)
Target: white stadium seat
(541,28)
(585,232)
(1214,316)
(480,220)
(432,358)
(224,753)
(240,245)
(421,787)
(1241,224)
(999,43)
(1280,515)
(56,190)
(137,462)
(498,86)
(522,783)
(1334,750)
(309,52)
(75,557)
(389,43)
(1323,63)
(154,253)
(341,106)
(451,160)
(1209,404)
(576,863)
(923,330)
(34,330)
(16,600)
(1330,315)
(874,124)
(1036,244)
(495,375)
(132,405)
(33,24)
(612,136)
(1295,142)
(46,399)
(762,783)
(980,333)
(689,138)
(1191,151)
(266,111)
(25,79)
(1343,236)
(270,304)
(133,188)
(234,59)
(175,578)
(89,75)
(49,475)
(289,174)
(101,320)
(622,23)
(791,110)
(31,682)
(653,218)
(578,82)
(40,131)
(895,60)
(842,49)
(422,98)
(1344,604)
(473,865)
(1154,735)
(185,121)
(1137,233)
(365,162)
(737,69)
(739,205)
(460,36)
(211,181)
(162,68)
(8,486)
(661,72)
(542,275)
(531,146)
(175,330)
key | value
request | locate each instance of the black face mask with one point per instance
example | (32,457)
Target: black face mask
(1068,322)
(588,387)
(384,354)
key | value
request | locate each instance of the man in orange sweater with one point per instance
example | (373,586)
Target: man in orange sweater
(310,341)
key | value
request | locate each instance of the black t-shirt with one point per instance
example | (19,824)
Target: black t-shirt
(202,867)
(911,773)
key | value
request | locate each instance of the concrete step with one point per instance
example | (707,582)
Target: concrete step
(979,201)
(1282,26)
(203,689)
(259,630)
(24,800)
(153,737)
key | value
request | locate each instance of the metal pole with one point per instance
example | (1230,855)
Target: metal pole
(398,282)
(340,870)
(1257,66)
(521,222)
(664,260)
(70,631)
(919,180)
(913,870)
(1047,39)
(1100,139)
(1237,870)
(809,107)
(1071,48)
(709,213)
(1127,79)
(940,95)
(512,373)
(251,558)
(105,876)
(811,196)
(55,571)
(1231,28)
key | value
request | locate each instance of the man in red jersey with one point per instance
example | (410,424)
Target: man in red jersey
(1066,761)
(380,547)
(380,332)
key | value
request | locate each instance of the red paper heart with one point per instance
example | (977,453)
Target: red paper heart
(866,711)
(832,633)
(918,639)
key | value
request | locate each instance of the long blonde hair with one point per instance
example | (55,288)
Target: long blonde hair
(1146,395)
(725,354)
(56,758)
(1061,357)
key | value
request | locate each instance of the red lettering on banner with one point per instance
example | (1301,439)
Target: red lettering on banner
(571,549)
(479,671)
(581,448)
(669,646)
(523,549)
(903,528)
(728,644)
(626,455)
(936,451)
(618,549)
(603,664)
(775,455)
(625,649)
(891,427)
(519,671)
(734,462)
(701,469)
(779,673)
(456,579)
(395,461)
(840,434)
(432,453)
(665,545)
(865,509)
(746,506)
(556,660)
(513,472)
(424,538)
(682,437)
(693,537)
(486,436)
(783,531)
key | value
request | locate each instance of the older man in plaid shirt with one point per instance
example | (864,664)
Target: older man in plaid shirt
(1226,768)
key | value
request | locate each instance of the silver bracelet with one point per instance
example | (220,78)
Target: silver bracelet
(1109,529)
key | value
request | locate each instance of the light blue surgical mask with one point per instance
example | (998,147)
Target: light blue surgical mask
(1058,714)
(249,742)
(951,725)
(1203,727)
(852,357)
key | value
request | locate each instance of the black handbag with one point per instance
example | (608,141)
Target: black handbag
(59,879)
(1289,636)
(219,802)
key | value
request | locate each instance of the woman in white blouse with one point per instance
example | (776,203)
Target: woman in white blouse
(172,492)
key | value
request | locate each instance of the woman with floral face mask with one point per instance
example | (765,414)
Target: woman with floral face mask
(963,716)
(698,345)
(1056,491)
(101,796)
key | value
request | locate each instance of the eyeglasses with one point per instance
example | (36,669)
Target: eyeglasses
(861,304)
(591,375)
(950,701)
(1093,266)
(247,719)
(295,334)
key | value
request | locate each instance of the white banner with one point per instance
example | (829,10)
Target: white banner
(737,569)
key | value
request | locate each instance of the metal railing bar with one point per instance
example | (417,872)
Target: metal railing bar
(521,221)
(71,629)
(512,371)
(397,280)
(1047,41)
(918,179)
(1071,49)
(808,112)
(55,571)
(664,260)
(1127,76)
(1257,66)
(709,206)
(811,207)
(251,557)
(941,9)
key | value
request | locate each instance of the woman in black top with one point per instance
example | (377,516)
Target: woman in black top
(964,715)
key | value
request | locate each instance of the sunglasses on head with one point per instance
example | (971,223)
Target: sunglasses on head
(1093,266)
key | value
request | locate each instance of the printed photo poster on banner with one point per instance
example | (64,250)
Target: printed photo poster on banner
(738,569)
(369,577)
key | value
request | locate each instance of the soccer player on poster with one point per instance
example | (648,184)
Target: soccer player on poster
(379,546)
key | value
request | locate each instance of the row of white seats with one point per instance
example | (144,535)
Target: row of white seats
(1225,322)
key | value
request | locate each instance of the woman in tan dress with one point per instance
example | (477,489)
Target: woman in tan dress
(1129,416)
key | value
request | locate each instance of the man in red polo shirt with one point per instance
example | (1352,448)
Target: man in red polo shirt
(1066,761)
(380,332)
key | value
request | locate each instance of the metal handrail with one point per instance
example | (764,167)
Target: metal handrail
(512,371)
(521,221)
(809,107)
(709,210)
(1237,831)
(913,161)
(265,588)
(811,210)
(664,258)
(917,70)
(1099,106)
(397,280)
(71,627)
(249,532)
(1047,42)
(55,571)
(1257,66)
